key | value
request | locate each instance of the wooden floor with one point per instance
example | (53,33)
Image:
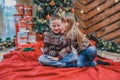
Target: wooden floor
(114,56)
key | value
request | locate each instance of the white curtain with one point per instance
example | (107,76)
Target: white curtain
(1,20)
(8,10)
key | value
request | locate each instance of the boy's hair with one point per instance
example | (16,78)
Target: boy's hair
(55,17)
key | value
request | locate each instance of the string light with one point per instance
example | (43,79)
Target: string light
(116,1)
(98,8)
(35,5)
(81,11)
(103,54)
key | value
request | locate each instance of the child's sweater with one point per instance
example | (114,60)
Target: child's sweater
(85,44)
(54,43)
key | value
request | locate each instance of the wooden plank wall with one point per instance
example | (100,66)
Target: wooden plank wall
(101,17)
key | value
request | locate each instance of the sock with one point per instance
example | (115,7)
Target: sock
(102,62)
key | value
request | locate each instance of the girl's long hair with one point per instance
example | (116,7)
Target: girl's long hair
(73,30)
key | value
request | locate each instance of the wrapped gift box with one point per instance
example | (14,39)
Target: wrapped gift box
(22,22)
(22,28)
(27,17)
(22,37)
(19,9)
(32,37)
(30,26)
(22,40)
(28,10)
(17,17)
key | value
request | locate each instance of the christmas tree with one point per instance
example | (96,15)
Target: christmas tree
(46,8)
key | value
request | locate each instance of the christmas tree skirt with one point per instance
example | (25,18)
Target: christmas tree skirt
(19,65)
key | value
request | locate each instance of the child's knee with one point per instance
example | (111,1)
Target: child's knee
(92,48)
(80,65)
(41,59)
(92,51)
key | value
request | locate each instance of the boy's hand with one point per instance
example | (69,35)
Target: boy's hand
(63,50)
(53,58)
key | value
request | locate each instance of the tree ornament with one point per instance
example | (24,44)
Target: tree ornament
(35,5)
(72,10)
(61,12)
(81,11)
(3,47)
(67,4)
(65,1)
(52,3)
(118,51)
(39,8)
(67,8)
(48,17)
(42,21)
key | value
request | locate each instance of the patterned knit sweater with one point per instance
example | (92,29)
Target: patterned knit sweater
(54,43)
(72,40)
(85,43)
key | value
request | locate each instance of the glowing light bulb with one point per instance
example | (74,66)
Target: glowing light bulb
(103,54)
(116,1)
(81,11)
(98,8)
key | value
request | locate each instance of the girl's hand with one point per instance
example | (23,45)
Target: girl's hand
(53,58)
(62,51)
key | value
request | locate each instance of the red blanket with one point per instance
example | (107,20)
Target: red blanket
(25,66)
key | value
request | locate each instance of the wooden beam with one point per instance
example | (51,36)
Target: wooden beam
(83,24)
(102,8)
(85,2)
(104,23)
(82,1)
(88,1)
(112,35)
(108,29)
(80,15)
(103,15)
(79,5)
(93,5)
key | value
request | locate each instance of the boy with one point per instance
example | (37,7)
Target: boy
(56,53)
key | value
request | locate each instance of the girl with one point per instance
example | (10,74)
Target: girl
(78,40)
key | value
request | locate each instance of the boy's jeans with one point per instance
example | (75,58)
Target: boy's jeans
(43,59)
(86,57)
